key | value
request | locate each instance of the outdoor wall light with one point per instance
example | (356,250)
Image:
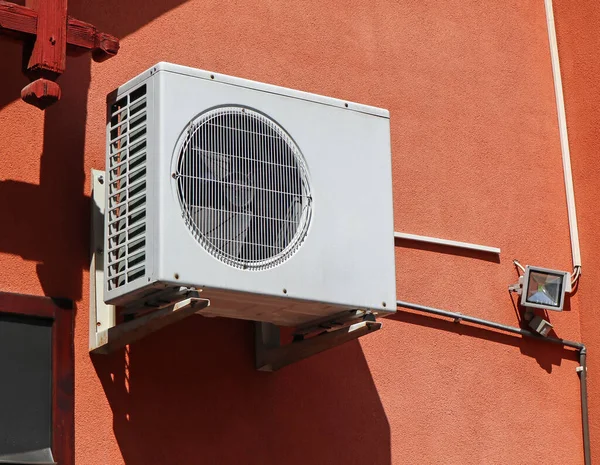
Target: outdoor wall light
(542,287)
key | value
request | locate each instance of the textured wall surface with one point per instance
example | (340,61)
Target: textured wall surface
(579,43)
(476,158)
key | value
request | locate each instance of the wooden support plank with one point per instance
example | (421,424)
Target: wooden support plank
(271,356)
(44,23)
(48,58)
(82,36)
(17,19)
(41,93)
(49,49)
(123,334)
(21,22)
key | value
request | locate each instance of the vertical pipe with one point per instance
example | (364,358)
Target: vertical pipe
(584,407)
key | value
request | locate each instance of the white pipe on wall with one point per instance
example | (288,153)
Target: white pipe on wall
(446,242)
(564,139)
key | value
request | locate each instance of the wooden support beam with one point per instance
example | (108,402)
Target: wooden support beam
(48,56)
(41,93)
(271,355)
(17,19)
(83,37)
(21,22)
(45,24)
(123,334)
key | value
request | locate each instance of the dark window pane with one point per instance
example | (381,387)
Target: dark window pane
(25,384)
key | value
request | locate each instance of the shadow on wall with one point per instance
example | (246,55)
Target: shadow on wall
(190,394)
(50,221)
(547,355)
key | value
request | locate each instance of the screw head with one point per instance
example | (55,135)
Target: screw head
(52,40)
(176,275)
(101,179)
(384,304)
(285,291)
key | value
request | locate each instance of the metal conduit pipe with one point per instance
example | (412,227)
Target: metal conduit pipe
(564,140)
(580,347)
(587,454)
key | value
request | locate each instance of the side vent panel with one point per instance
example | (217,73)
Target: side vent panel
(126,173)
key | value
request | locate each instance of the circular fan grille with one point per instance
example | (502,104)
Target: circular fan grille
(243,187)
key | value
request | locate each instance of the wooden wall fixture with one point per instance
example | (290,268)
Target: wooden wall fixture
(49,34)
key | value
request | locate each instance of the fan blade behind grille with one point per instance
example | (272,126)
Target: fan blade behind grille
(243,186)
(227,229)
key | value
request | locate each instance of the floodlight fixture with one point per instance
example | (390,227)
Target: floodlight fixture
(544,288)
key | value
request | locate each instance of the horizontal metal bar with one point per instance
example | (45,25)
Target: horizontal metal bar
(490,324)
(446,242)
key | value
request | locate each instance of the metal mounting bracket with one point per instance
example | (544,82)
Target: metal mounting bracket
(105,334)
(517,288)
(271,355)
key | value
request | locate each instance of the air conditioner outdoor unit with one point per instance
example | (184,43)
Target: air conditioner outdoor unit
(275,204)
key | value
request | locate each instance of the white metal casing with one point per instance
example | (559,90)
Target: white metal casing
(347,258)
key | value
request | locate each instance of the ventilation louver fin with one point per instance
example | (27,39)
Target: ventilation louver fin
(126,173)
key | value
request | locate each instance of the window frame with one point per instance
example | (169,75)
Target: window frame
(60,313)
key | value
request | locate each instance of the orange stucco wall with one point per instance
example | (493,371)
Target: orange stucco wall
(476,158)
(579,42)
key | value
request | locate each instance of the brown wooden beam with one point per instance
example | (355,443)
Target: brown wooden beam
(82,36)
(48,57)
(21,22)
(54,34)
(17,19)
(49,54)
